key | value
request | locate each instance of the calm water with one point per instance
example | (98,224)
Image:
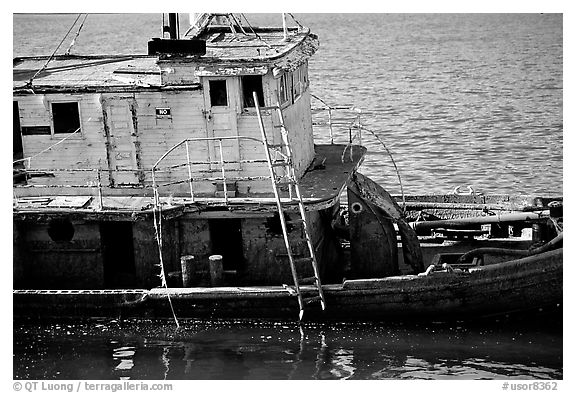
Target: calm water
(459,100)
(227,350)
(464,99)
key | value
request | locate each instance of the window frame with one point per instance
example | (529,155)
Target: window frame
(78,130)
(225,81)
(243,96)
(285,82)
(61,100)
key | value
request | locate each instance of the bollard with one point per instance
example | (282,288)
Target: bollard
(538,233)
(216,270)
(187,263)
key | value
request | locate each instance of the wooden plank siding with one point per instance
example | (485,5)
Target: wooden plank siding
(150,135)
(83,150)
(298,121)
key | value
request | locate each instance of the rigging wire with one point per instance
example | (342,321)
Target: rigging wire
(76,36)
(294,19)
(238,24)
(393,163)
(257,35)
(29,83)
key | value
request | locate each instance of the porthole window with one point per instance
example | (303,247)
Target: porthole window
(357,208)
(60,230)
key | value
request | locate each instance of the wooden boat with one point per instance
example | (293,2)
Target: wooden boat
(187,183)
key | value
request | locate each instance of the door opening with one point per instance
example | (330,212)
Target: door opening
(118,254)
(17,149)
(226,238)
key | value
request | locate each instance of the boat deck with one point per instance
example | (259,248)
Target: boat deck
(321,186)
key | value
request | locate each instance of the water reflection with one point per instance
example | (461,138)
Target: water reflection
(235,350)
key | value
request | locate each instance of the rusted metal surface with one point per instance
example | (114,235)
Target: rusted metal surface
(371,192)
(424,226)
(523,285)
(373,245)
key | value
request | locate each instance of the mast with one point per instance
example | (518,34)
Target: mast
(284,27)
(173,26)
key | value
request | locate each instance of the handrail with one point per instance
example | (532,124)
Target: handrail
(186,142)
(203,139)
(351,122)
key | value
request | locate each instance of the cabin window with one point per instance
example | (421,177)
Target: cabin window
(296,84)
(304,76)
(286,88)
(218,94)
(66,117)
(250,84)
(36,130)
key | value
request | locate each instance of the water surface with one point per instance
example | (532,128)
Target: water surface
(283,350)
(460,99)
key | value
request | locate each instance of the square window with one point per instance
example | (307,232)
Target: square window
(250,84)
(218,94)
(66,117)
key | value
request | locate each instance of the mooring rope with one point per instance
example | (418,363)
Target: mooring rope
(157,212)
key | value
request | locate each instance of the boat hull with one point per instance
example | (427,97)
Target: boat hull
(523,285)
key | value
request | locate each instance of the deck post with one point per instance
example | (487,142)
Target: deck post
(187,263)
(216,270)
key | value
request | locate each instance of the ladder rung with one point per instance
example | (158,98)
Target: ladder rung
(312,299)
(305,259)
(280,163)
(295,221)
(278,126)
(308,280)
(275,146)
(285,181)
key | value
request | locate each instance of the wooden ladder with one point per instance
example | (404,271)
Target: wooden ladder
(291,180)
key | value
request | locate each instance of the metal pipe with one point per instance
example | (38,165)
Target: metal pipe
(424,226)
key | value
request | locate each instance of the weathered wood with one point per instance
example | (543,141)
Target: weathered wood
(187,264)
(375,194)
(216,270)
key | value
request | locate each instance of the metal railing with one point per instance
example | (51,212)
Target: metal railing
(338,118)
(224,178)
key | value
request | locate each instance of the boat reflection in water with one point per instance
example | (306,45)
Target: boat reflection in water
(277,350)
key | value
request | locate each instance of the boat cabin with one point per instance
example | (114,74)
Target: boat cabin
(104,145)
